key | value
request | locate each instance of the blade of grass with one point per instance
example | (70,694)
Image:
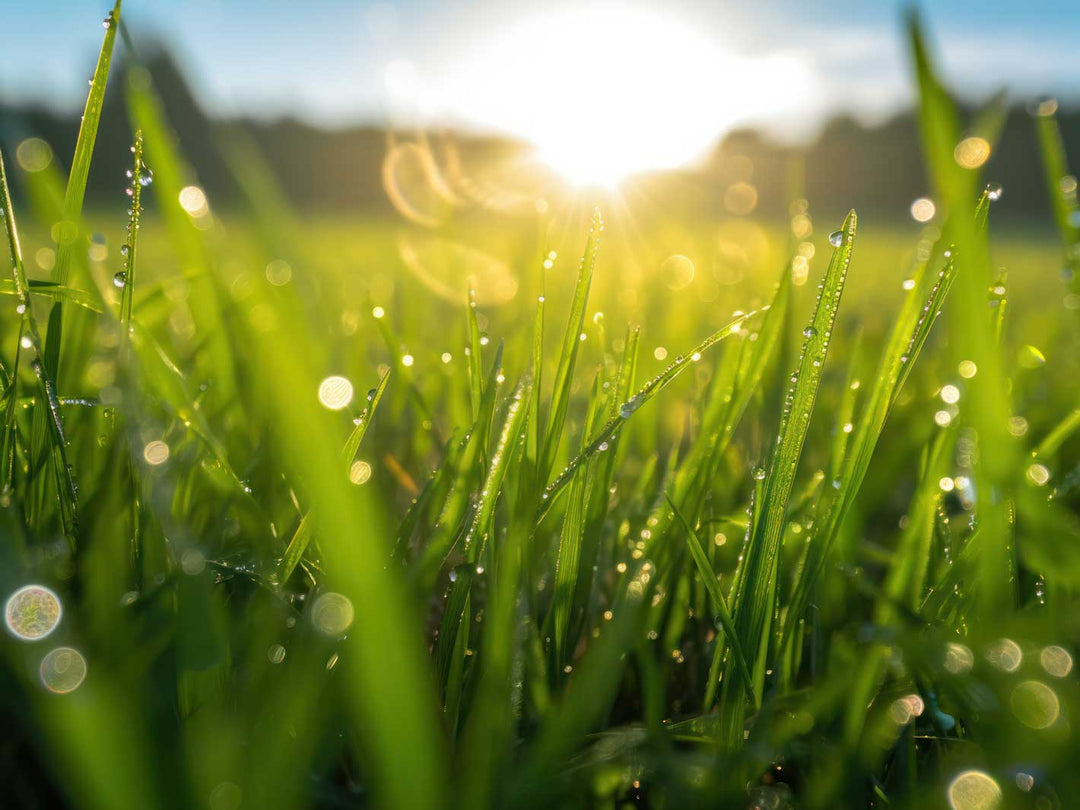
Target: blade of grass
(30,339)
(712,586)
(564,372)
(76,186)
(1062,195)
(753,609)
(629,407)
(352,444)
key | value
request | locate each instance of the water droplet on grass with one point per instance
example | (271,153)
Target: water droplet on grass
(836,238)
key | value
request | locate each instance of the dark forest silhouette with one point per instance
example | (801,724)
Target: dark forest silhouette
(874,169)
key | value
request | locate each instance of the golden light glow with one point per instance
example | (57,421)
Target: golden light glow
(922,210)
(974,790)
(63,670)
(156,452)
(33,154)
(32,612)
(193,200)
(359,472)
(1005,654)
(958,658)
(332,613)
(740,199)
(1056,661)
(973,152)
(606,91)
(335,393)
(678,271)
(1035,704)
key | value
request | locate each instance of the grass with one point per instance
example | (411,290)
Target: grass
(825,556)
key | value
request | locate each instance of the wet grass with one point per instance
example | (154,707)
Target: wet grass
(798,529)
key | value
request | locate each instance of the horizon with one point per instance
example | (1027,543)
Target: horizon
(490,70)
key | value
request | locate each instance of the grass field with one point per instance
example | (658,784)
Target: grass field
(634,513)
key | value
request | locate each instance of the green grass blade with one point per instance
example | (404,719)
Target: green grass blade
(560,392)
(753,610)
(631,405)
(566,567)
(294,552)
(708,578)
(76,186)
(988,406)
(1062,194)
(475,365)
(138,172)
(517,412)
(352,444)
(30,339)
(467,477)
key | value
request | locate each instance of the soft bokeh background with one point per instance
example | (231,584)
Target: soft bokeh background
(591,93)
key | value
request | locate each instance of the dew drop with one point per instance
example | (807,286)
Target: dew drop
(120,279)
(628,407)
(836,238)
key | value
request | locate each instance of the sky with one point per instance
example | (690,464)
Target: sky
(675,72)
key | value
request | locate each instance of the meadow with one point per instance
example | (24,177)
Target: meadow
(579,507)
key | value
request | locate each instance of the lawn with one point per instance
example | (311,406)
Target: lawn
(574,506)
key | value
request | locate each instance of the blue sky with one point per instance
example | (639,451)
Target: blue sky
(337,62)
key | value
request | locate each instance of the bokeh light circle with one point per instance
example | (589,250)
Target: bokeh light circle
(1035,704)
(974,790)
(63,670)
(335,392)
(332,613)
(32,612)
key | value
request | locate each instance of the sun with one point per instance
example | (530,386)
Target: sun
(606,92)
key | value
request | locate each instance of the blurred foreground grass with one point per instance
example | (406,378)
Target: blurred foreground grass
(774,545)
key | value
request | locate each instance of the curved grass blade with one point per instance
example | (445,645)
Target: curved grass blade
(51,289)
